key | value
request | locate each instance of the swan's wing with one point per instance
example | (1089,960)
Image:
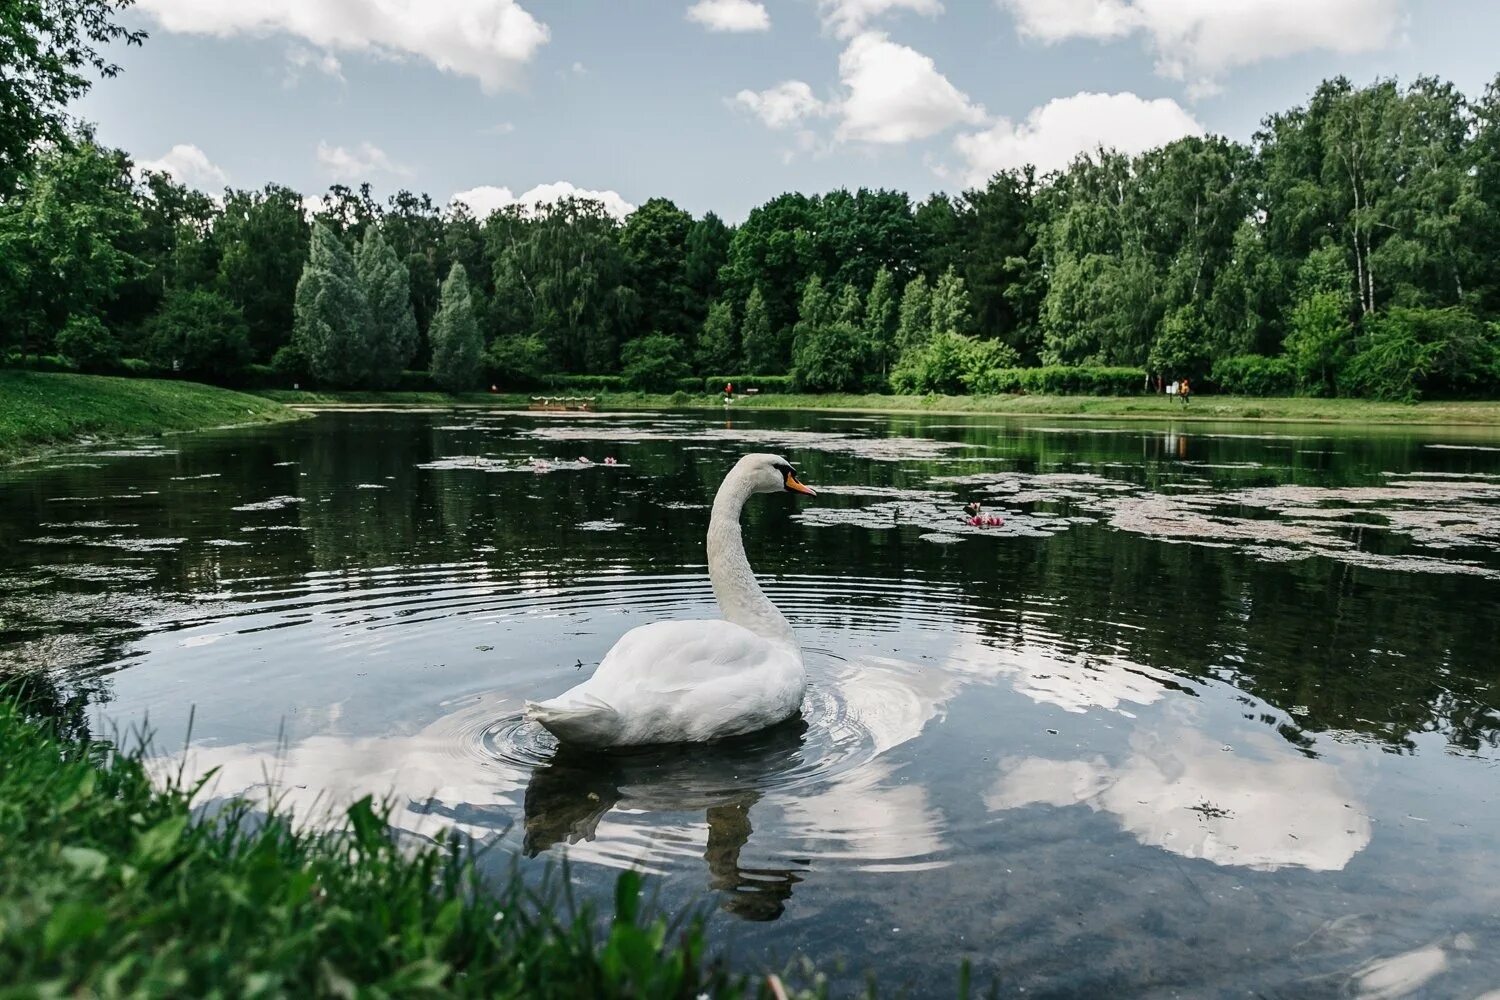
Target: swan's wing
(680,656)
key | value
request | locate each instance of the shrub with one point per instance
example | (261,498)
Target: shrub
(950,363)
(290,362)
(1255,375)
(410,381)
(652,363)
(88,345)
(1318,343)
(1061,380)
(519,361)
(587,383)
(830,357)
(199,333)
(1411,354)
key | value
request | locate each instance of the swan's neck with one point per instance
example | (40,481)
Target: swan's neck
(740,598)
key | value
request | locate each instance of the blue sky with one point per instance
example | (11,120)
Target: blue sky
(721,104)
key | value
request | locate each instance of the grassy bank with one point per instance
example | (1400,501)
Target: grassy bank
(40,410)
(110,886)
(1354,411)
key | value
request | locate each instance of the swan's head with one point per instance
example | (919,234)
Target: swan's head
(771,474)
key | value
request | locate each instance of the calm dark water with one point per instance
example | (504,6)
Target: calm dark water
(1215,712)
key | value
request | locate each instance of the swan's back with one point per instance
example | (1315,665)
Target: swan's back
(679,681)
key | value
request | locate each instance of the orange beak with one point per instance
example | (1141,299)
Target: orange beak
(793,486)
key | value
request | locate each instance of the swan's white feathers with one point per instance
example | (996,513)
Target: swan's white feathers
(679,681)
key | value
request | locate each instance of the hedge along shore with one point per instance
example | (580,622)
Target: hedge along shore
(1480,414)
(40,411)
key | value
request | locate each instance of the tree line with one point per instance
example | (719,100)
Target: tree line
(1352,247)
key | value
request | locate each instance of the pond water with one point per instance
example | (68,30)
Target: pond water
(1214,712)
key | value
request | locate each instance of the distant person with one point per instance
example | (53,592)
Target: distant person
(1186,391)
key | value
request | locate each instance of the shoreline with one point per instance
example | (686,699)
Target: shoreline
(1281,410)
(43,413)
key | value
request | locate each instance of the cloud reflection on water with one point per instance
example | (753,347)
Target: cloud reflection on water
(1177,790)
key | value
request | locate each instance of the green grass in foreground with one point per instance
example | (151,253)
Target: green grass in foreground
(1357,411)
(39,410)
(110,886)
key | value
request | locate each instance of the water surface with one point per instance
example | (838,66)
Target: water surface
(1214,712)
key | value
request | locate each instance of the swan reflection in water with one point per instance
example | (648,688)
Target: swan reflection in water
(568,796)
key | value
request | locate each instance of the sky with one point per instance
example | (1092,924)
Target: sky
(722,104)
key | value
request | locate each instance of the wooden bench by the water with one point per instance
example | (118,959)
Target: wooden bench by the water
(559,404)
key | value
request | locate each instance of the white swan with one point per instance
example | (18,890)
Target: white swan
(692,681)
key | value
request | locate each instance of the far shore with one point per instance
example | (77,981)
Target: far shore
(1452,413)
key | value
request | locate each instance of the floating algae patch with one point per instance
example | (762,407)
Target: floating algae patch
(536,466)
(143,451)
(879,449)
(1284,523)
(275,503)
(91,573)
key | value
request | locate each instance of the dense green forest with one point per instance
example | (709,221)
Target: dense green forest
(1352,248)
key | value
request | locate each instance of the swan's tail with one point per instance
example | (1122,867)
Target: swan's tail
(583,719)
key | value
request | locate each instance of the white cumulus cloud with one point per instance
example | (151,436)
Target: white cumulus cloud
(889,93)
(783,105)
(730,15)
(489,40)
(1198,41)
(189,165)
(847,18)
(488,199)
(896,94)
(359,163)
(1053,134)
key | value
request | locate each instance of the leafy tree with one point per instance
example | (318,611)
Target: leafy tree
(49,49)
(705,254)
(1179,349)
(88,345)
(199,333)
(716,346)
(914,326)
(763,353)
(775,250)
(333,325)
(950,304)
(654,244)
(66,242)
(653,362)
(849,306)
(880,319)
(516,360)
(456,341)
(264,243)
(392,338)
(559,273)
